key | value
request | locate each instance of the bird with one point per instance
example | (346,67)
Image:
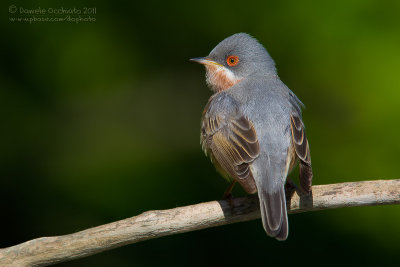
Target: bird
(252,128)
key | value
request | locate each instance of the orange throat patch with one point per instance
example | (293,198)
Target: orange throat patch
(220,78)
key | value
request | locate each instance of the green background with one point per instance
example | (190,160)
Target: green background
(100,121)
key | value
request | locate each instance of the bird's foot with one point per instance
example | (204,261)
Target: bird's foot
(229,197)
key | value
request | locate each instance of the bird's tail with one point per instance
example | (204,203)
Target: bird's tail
(273,213)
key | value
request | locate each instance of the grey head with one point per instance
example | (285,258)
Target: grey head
(235,58)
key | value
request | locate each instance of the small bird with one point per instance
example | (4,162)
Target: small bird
(252,127)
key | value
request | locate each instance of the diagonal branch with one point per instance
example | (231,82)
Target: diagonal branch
(157,223)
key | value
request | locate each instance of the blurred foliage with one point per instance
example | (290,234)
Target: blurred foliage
(100,121)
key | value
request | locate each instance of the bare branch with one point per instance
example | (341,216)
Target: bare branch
(154,224)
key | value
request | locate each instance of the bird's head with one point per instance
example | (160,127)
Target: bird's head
(234,59)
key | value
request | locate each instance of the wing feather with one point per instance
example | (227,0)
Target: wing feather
(300,143)
(234,145)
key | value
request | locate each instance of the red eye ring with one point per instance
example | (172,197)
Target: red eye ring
(232,60)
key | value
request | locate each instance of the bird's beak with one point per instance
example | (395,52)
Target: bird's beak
(205,61)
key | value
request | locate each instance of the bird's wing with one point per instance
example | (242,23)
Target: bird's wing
(232,144)
(300,143)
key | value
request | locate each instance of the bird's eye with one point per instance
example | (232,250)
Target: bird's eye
(232,60)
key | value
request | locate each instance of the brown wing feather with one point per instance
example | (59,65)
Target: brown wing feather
(232,146)
(300,143)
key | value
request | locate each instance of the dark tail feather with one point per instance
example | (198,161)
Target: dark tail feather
(273,213)
(306,176)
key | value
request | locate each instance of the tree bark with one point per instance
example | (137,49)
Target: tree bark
(153,224)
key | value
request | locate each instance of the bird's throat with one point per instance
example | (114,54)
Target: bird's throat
(220,78)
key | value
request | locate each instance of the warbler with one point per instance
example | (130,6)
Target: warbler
(252,127)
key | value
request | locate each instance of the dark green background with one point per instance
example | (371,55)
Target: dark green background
(100,121)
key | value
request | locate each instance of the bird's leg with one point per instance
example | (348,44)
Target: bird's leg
(291,187)
(228,195)
(228,192)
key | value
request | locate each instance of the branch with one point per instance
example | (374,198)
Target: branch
(157,223)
